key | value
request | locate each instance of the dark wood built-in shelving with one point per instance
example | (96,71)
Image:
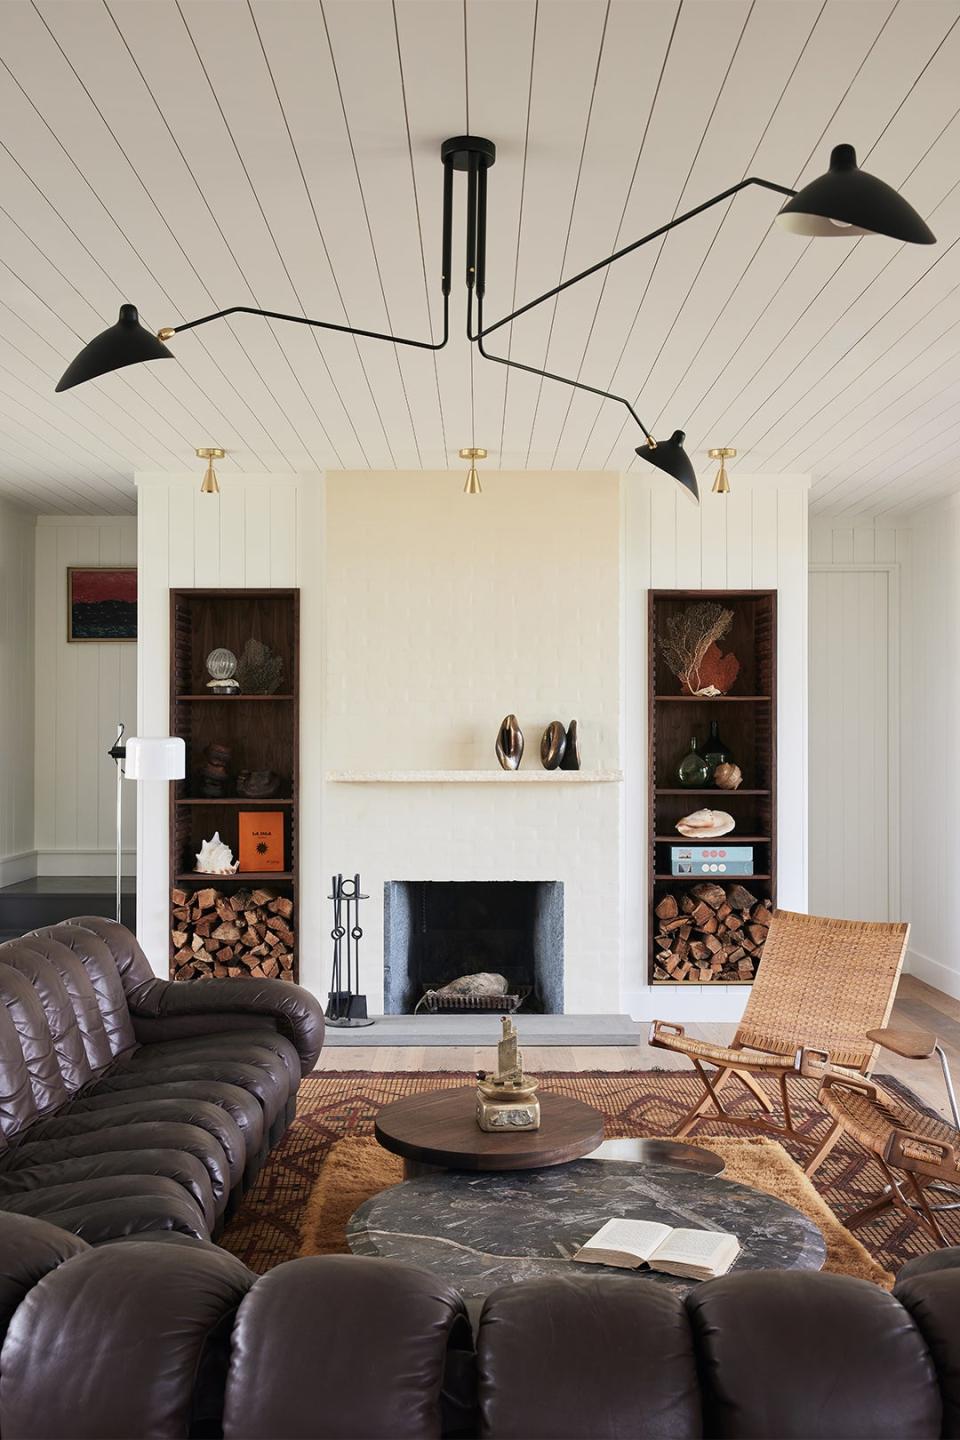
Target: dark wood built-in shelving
(260,730)
(747,721)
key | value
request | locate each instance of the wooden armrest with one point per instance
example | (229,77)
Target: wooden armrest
(837,1078)
(814,1064)
(911,1044)
(664,1027)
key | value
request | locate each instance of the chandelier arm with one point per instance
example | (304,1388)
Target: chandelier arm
(546,374)
(635,245)
(321,325)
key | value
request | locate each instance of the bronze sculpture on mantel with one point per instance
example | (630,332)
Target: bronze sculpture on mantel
(553,746)
(510,743)
(507,1100)
(570,760)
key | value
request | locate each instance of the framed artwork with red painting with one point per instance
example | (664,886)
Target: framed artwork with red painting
(101,603)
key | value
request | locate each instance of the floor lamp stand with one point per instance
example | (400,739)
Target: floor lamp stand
(118,753)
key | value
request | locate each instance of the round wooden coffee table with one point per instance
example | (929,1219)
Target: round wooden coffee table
(437,1130)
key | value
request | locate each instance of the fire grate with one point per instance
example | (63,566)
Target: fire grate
(436,1004)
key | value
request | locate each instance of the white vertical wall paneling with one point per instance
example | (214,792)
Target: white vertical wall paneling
(82,691)
(860,787)
(245,536)
(17,857)
(753,538)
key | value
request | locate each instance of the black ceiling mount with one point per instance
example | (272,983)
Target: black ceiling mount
(845,201)
(458,150)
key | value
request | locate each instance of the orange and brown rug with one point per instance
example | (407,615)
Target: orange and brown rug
(339,1106)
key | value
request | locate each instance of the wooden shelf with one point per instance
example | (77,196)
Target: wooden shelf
(731,838)
(707,790)
(690,879)
(712,699)
(234,699)
(232,800)
(240,877)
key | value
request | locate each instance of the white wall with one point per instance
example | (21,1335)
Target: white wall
(859,706)
(260,530)
(82,691)
(17,858)
(931,772)
(753,538)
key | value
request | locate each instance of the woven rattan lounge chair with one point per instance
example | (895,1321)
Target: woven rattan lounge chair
(917,1152)
(821,984)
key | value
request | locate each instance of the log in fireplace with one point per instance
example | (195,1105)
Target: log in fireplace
(438,930)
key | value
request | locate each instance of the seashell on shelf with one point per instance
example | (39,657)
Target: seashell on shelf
(728,776)
(706,824)
(216,858)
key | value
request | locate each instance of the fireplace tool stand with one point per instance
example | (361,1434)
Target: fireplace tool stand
(346,1008)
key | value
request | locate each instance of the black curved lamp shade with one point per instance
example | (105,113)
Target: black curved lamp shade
(671,457)
(126,343)
(847,202)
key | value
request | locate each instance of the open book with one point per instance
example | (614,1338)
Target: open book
(694,1254)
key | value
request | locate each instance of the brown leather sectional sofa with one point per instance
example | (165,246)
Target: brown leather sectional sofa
(164,1336)
(129,1104)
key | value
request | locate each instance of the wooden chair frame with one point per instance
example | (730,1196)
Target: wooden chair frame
(821,983)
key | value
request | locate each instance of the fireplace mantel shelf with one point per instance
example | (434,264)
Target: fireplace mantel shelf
(475,777)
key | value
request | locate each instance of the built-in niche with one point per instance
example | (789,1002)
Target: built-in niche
(438,930)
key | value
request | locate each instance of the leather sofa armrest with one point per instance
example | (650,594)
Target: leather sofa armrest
(295,1012)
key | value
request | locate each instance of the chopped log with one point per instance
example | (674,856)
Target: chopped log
(225,954)
(206,899)
(263,897)
(740,898)
(733,921)
(179,938)
(228,931)
(711,926)
(665,910)
(284,906)
(712,895)
(761,916)
(178,897)
(701,914)
(271,968)
(758,933)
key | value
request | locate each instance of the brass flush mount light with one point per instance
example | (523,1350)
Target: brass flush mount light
(723,453)
(209,485)
(473,453)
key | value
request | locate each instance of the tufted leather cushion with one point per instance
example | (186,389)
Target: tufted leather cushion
(799,1354)
(153,1365)
(598,1357)
(347,1310)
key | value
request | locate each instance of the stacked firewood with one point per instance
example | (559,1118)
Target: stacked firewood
(232,935)
(710,932)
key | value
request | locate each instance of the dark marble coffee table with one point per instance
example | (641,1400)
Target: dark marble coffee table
(483,1231)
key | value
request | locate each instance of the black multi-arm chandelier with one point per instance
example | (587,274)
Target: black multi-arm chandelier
(846,201)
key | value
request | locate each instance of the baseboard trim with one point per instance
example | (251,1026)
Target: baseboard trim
(933,972)
(84,862)
(18,867)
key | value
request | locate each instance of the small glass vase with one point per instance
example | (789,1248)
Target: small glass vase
(693,772)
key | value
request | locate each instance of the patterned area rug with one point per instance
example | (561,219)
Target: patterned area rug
(333,1107)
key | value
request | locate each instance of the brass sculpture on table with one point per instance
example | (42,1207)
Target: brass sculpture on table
(507,1100)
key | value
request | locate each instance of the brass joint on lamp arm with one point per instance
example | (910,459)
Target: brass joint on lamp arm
(167,333)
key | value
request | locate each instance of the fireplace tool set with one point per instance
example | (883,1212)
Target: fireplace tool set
(346,1008)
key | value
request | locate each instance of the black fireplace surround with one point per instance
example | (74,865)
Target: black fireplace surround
(437,930)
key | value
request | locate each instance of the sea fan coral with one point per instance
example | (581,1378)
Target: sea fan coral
(689,635)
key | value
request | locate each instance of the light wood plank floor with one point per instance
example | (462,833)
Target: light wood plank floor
(917,1005)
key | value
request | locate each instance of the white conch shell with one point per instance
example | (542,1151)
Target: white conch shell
(216,858)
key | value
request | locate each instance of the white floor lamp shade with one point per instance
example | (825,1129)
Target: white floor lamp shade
(155,757)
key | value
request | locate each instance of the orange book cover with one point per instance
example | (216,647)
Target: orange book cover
(261,840)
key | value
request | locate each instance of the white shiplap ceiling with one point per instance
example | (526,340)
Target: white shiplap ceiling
(191,154)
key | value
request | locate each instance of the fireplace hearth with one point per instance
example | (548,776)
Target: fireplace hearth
(438,930)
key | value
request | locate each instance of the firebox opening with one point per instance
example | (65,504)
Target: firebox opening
(438,930)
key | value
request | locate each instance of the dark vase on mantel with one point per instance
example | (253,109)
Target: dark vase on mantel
(693,772)
(714,751)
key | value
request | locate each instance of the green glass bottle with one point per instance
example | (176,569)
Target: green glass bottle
(714,751)
(693,772)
